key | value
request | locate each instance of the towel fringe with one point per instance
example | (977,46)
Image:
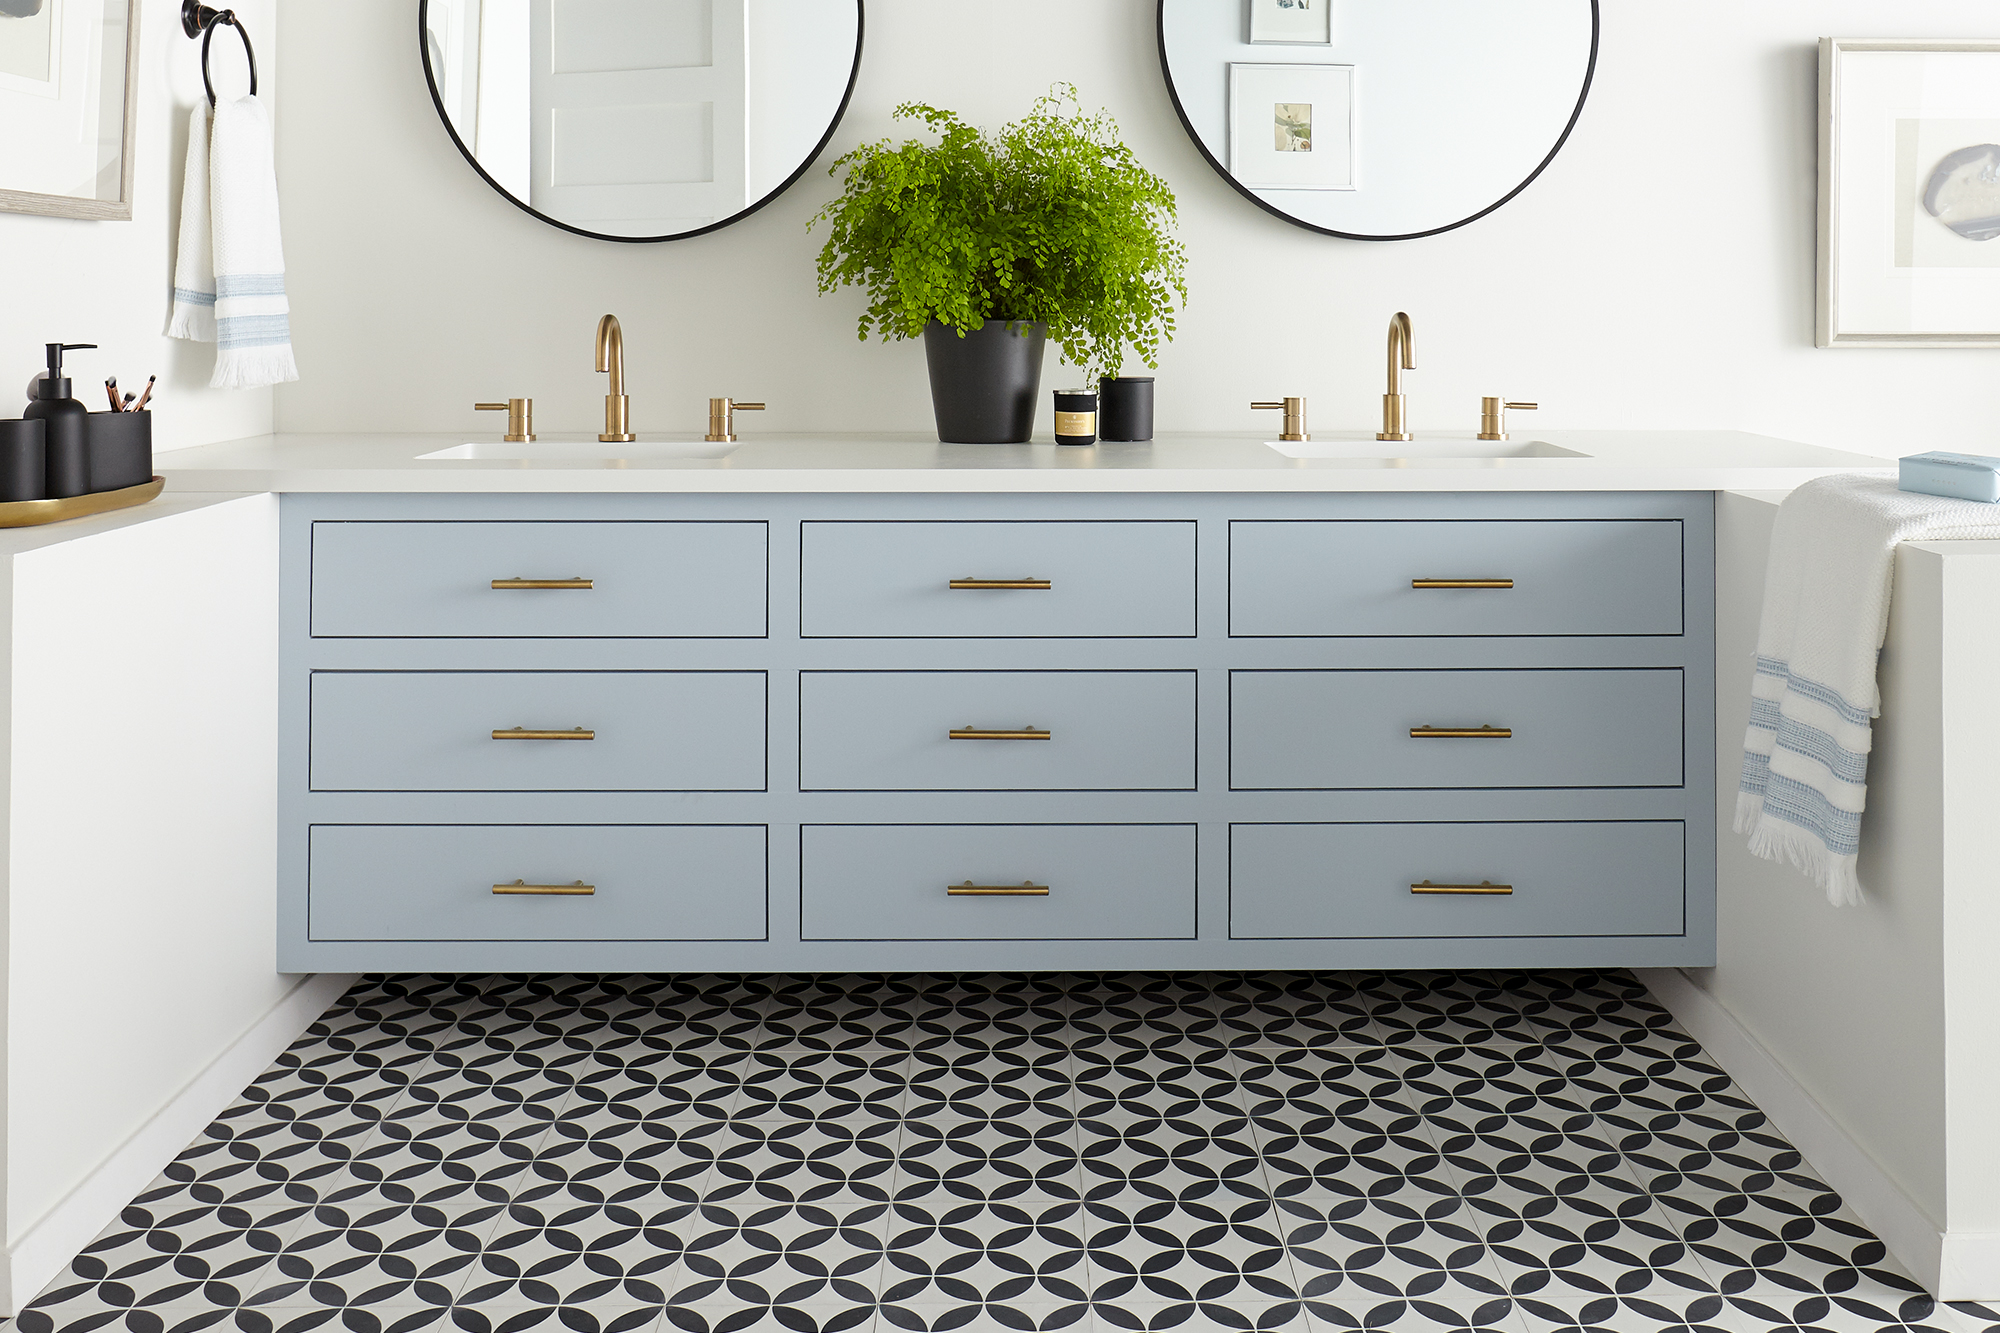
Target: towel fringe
(195,323)
(1774,840)
(253,367)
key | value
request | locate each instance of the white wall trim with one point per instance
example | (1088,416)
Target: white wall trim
(62,1233)
(1911,1234)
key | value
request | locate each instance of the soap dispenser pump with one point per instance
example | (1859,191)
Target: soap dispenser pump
(63,418)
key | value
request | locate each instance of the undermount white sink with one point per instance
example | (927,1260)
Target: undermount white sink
(643,450)
(1434,448)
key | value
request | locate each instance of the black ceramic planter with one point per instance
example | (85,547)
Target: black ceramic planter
(985,386)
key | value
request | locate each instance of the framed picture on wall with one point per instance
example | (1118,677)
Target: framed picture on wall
(67,71)
(1909,193)
(1291,127)
(1291,22)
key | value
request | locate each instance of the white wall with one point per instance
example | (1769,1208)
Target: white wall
(1660,274)
(141,992)
(111,283)
(1872,1034)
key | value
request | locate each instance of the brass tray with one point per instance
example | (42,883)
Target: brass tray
(31,513)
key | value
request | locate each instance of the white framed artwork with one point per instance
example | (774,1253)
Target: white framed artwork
(67,71)
(1909,193)
(1291,22)
(1291,127)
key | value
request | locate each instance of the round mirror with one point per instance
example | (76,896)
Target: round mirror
(640,120)
(1379,120)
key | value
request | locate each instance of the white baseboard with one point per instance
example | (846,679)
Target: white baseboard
(41,1255)
(1963,1267)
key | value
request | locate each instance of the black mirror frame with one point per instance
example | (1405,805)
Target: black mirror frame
(840,112)
(1167,74)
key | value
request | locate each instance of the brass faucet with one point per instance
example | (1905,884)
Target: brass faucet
(611,360)
(1402,357)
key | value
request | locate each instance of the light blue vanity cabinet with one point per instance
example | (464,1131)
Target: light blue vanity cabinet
(652,732)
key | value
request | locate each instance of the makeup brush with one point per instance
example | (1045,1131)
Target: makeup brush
(140,406)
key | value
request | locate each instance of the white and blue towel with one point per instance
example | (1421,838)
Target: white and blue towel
(1813,699)
(229,274)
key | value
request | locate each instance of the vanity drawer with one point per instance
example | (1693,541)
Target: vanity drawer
(1104,580)
(1336,578)
(1353,881)
(428,580)
(1317,730)
(1103,881)
(436,881)
(892,730)
(434,730)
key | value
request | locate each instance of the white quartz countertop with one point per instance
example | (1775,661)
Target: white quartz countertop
(1609,461)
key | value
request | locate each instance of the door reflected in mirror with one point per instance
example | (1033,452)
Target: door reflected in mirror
(640,120)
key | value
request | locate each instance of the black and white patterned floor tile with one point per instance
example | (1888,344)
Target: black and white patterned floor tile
(1300,1153)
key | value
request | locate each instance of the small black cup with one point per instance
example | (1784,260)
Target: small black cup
(120,447)
(1127,408)
(24,460)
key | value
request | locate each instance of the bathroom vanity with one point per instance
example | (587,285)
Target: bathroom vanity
(888,705)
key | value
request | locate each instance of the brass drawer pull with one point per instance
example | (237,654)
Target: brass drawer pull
(1461,583)
(1483,887)
(991,585)
(520,584)
(1025,889)
(524,734)
(576,890)
(972,733)
(1480,733)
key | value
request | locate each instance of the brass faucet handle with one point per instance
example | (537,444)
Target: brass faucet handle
(1295,417)
(1493,416)
(722,419)
(520,418)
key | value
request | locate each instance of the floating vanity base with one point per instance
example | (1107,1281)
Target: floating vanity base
(663,733)
(34,513)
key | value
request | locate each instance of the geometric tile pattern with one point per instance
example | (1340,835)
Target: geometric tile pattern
(1309,1152)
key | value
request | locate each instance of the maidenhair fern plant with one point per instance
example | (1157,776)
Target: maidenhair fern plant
(1051,220)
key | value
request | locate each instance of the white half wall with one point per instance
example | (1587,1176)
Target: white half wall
(111,283)
(1660,274)
(141,674)
(1871,1035)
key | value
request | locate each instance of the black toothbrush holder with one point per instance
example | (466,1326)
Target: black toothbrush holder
(119,446)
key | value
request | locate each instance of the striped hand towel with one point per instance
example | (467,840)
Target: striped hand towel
(252,320)
(194,257)
(1813,698)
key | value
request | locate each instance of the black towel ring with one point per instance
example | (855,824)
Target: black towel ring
(198,20)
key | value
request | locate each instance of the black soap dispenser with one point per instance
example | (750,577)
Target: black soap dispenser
(63,416)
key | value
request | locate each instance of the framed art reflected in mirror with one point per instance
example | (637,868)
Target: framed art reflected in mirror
(67,73)
(640,120)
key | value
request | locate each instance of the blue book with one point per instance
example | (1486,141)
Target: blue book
(1958,476)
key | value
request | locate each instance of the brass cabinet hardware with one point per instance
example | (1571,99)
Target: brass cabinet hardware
(1402,357)
(525,734)
(722,419)
(1024,889)
(1462,583)
(1493,416)
(972,733)
(576,890)
(517,584)
(1479,733)
(986,585)
(520,418)
(1484,887)
(1295,417)
(611,361)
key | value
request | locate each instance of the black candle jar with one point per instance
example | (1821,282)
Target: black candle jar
(1127,408)
(24,460)
(1076,416)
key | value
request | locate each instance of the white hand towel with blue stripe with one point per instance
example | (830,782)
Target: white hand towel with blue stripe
(1813,698)
(252,324)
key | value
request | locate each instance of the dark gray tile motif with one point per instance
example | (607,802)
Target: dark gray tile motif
(1297,1153)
